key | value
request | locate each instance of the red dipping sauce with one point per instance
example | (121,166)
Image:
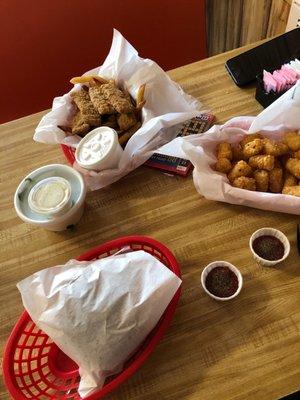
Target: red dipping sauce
(268,247)
(221,282)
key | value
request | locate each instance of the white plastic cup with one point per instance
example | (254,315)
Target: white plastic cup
(59,222)
(99,150)
(270,232)
(215,264)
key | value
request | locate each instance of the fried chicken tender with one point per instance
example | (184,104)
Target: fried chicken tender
(99,101)
(127,135)
(244,182)
(223,165)
(292,190)
(250,138)
(252,148)
(126,121)
(110,121)
(262,180)
(262,162)
(224,151)
(88,113)
(289,180)
(274,149)
(241,168)
(292,139)
(275,180)
(293,166)
(79,127)
(116,98)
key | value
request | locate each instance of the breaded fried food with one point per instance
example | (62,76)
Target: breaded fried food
(110,121)
(224,151)
(275,180)
(292,140)
(262,162)
(292,190)
(87,79)
(79,127)
(262,180)
(116,98)
(126,121)
(274,149)
(253,148)
(243,182)
(249,138)
(241,168)
(99,101)
(127,135)
(88,113)
(293,166)
(223,165)
(289,180)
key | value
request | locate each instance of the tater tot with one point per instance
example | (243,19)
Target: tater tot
(262,180)
(252,148)
(244,182)
(292,190)
(241,168)
(262,162)
(293,166)
(274,149)
(289,180)
(275,180)
(292,139)
(224,151)
(223,165)
(249,138)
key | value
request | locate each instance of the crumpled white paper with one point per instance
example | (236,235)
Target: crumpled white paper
(281,116)
(166,106)
(98,312)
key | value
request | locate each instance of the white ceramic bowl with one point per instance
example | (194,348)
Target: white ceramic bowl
(211,266)
(271,232)
(61,222)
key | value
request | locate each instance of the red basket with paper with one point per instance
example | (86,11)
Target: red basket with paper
(35,368)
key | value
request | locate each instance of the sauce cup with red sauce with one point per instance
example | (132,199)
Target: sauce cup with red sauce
(269,246)
(221,280)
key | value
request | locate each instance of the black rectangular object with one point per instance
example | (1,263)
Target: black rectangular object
(270,55)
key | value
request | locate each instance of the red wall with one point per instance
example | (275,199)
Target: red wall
(46,42)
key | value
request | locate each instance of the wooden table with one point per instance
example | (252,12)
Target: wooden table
(244,349)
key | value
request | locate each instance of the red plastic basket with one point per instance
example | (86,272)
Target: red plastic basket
(35,368)
(69,153)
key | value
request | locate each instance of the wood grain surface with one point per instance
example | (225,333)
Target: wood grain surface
(247,348)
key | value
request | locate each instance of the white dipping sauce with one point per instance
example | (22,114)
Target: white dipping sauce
(50,196)
(99,149)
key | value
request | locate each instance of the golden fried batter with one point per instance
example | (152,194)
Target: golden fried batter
(88,113)
(252,148)
(293,166)
(224,151)
(126,121)
(292,139)
(127,134)
(262,162)
(249,138)
(297,154)
(244,182)
(292,190)
(262,180)
(289,180)
(241,168)
(116,98)
(237,152)
(99,101)
(79,127)
(274,149)
(275,180)
(223,165)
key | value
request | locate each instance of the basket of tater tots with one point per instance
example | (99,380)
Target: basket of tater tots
(252,161)
(116,115)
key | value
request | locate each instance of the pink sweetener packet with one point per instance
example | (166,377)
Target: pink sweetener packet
(269,82)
